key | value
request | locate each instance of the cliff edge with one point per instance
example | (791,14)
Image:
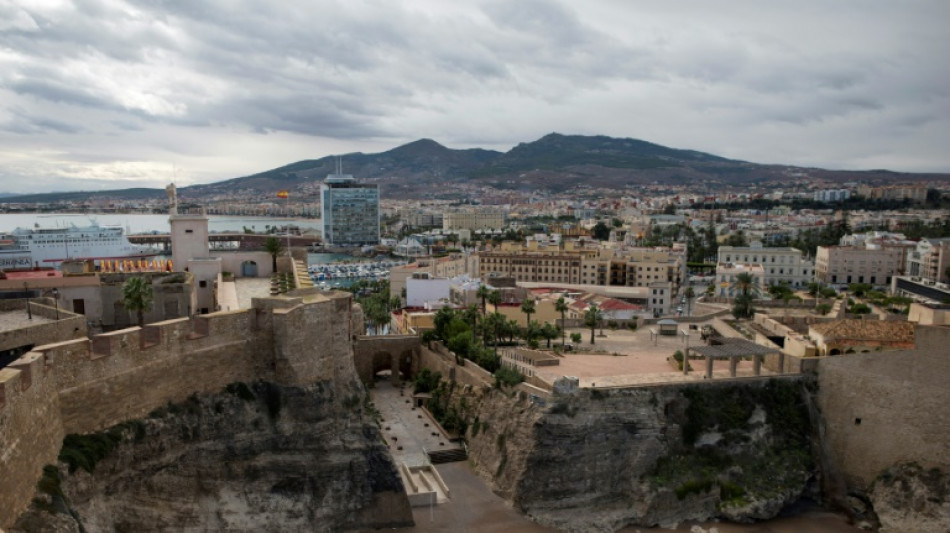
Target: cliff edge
(258,457)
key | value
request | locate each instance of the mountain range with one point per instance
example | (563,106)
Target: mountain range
(555,163)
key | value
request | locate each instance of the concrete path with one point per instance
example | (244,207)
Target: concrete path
(405,427)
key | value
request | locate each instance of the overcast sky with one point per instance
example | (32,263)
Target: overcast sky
(111,94)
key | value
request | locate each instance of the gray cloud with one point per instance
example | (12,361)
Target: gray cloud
(94,80)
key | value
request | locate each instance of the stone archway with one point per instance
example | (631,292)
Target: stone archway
(376,353)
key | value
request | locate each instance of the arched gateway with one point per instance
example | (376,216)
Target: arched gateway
(397,353)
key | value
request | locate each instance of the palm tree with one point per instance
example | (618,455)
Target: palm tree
(592,317)
(549,332)
(561,307)
(494,298)
(742,308)
(527,307)
(137,296)
(483,292)
(274,247)
(471,314)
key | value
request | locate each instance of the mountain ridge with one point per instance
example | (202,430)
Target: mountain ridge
(556,162)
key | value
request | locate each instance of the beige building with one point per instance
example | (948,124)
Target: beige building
(576,263)
(873,264)
(779,265)
(473,220)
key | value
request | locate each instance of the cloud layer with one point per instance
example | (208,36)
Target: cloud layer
(112,93)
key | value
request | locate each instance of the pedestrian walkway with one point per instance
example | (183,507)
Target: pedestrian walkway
(406,428)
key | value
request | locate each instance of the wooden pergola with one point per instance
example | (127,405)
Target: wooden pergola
(734,349)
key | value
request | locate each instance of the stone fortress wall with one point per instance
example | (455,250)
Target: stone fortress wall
(87,385)
(886,408)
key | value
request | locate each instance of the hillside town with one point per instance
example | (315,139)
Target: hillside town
(557,301)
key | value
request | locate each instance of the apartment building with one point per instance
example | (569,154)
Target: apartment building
(580,264)
(779,265)
(930,260)
(874,264)
(473,220)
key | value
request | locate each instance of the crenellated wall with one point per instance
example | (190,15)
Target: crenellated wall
(87,385)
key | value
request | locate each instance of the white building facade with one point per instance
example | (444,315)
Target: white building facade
(780,266)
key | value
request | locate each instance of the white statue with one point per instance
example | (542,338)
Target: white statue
(172,199)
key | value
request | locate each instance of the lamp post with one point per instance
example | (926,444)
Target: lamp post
(29,312)
(56,301)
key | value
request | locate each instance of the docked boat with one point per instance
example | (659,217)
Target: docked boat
(44,247)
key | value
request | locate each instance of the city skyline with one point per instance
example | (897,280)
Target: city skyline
(110,95)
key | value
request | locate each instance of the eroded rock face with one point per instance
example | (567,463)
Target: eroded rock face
(258,458)
(600,460)
(910,498)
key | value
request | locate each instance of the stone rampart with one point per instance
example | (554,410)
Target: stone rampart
(31,431)
(64,325)
(881,409)
(87,385)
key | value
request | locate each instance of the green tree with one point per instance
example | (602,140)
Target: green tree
(592,317)
(561,307)
(274,247)
(600,231)
(137,296)
(742,306)
(483,292)
(527,307)
(549,332)
(737,239)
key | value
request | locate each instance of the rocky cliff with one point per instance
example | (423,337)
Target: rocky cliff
(257,457)
(910,498)
(599,460)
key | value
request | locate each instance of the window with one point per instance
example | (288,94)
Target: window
(189,231)
(202,284)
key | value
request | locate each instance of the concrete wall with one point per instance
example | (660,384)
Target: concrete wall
(886,408)
(86,385)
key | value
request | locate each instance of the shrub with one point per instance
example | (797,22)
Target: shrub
(241,390)
(576,338)
(507,377)
(693,486)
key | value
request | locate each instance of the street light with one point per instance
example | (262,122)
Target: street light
(56,301)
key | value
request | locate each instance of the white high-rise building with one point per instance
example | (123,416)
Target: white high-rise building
(350,211)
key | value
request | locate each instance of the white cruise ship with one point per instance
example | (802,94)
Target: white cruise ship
(45,247)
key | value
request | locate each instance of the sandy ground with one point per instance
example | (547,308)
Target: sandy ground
(248,288)
(624,357)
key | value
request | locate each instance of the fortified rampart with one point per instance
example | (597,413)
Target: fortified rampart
(887,408)
(62,325)
(86,385)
